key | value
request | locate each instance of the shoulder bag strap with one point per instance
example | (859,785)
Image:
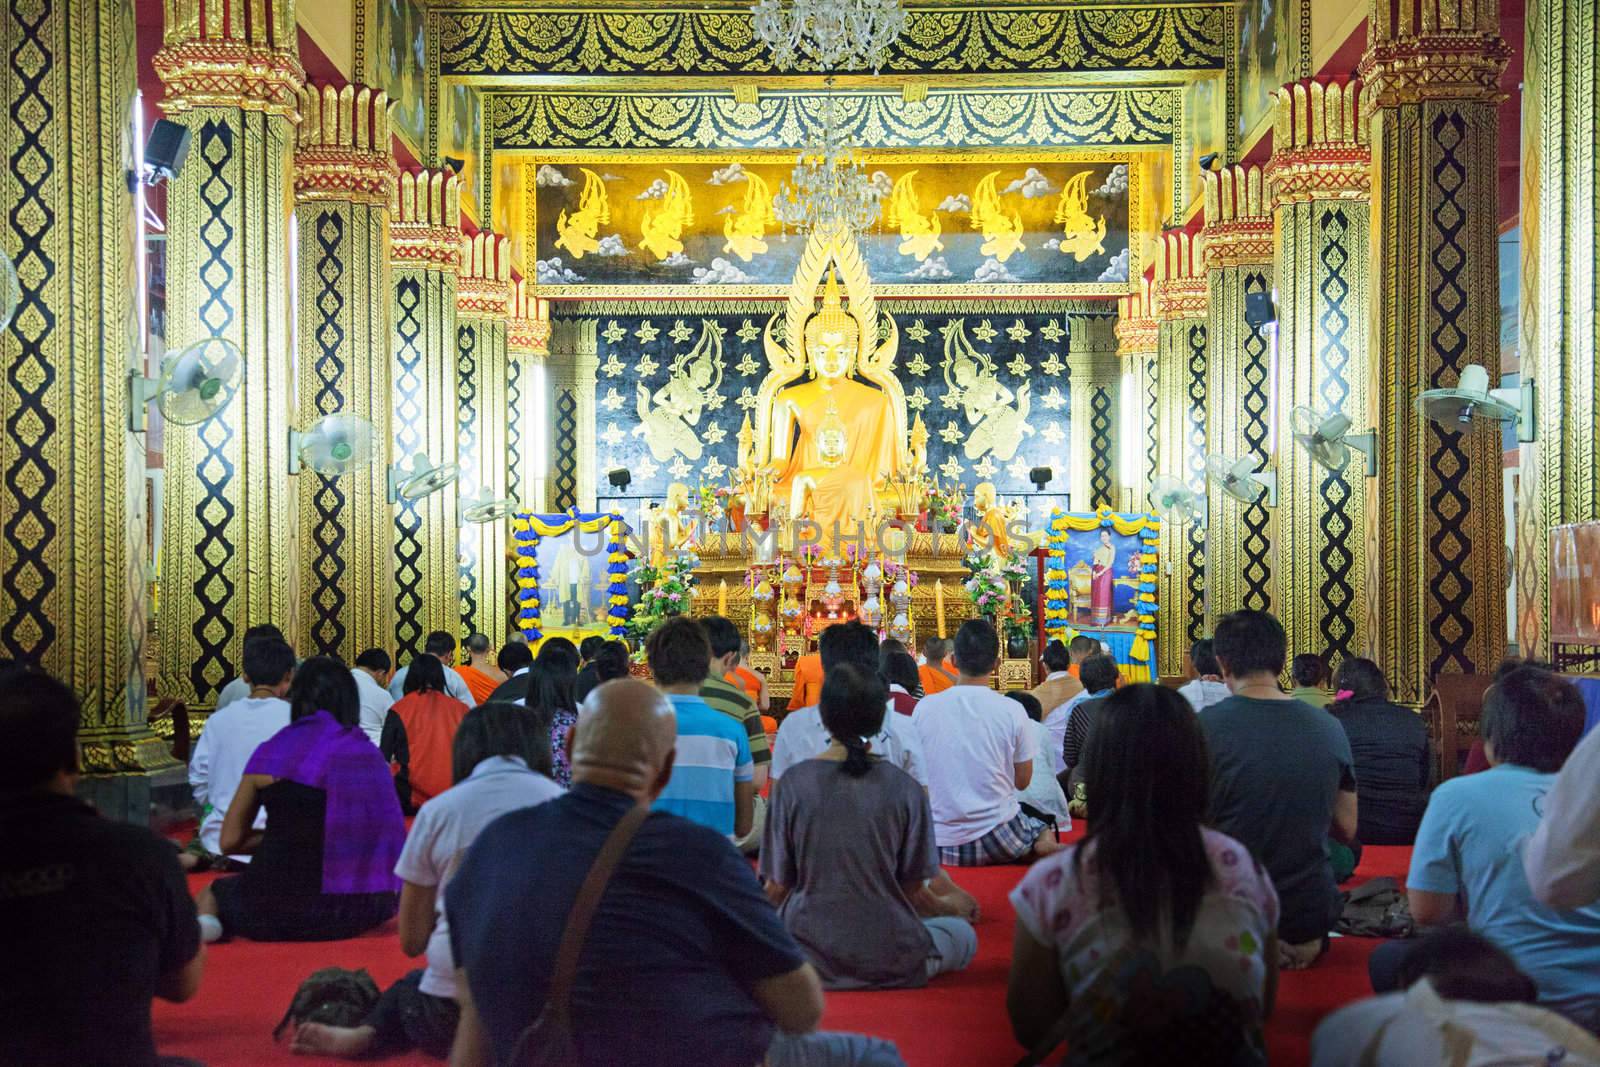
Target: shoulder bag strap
(559,999)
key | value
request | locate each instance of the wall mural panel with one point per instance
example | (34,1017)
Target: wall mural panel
(987,378)
(680,227)
(402,58)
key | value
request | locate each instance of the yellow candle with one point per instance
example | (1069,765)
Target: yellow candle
(722,598)
(938,604)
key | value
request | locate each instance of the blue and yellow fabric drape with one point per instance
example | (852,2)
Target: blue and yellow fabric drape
(527,530)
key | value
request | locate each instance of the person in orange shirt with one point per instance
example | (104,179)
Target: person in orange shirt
(752,681)
(936,673)
(480,673)
(807,681)
(1079,649)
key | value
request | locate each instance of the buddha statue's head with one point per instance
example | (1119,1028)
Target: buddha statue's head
(832,336)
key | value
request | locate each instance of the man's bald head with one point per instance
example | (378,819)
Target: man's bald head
(624,739)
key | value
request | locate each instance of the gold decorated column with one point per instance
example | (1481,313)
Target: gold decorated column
(1094,376)
(425,254)
(227,561)
(1181,352)
(344,175)
(482,301)
(1436,594)
(1320,177)
(1560,305)
(1137,333)
(570,384)
(72,515)
(1238,237)
(527,345)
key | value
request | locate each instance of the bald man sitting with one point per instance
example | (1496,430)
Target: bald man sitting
(685,963)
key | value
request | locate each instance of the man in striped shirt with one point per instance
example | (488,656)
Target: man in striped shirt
(733,702)
(713,773)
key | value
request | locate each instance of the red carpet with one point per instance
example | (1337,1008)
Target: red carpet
(958,1021)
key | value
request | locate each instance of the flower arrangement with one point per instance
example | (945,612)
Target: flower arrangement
(664,591)
(713,504)
(944,505)
(990,592)
(893,572)
(1017,623)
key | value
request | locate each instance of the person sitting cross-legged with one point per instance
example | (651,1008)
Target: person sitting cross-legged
(587,677)
(418,733)
(848,853)
(1206,687)
(1471,841)
(1310,674)
(1153,940)
(322,868)
(684,963)
(371,672)
(500,763)
(1099,674)
(714,783)
(439,645)
(514,660)
(97,919)
(241,686)
(899,668)
(1058,687)
(978,748)
(481,672)
(230,738)
(1044,798)
(1282,781)
(1390,746)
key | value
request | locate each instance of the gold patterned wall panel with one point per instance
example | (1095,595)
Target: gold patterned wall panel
(572,369)
(718,41)
(1320,176)
(482,303)
(527,345)
(425,246)
(344,174)
(1238,252)
(1094,376)
(1182,348)
(72,520)
(1560,293)
(1137,333)
(229,510)
(1437,582)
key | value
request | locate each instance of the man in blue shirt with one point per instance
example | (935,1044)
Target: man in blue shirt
(713,773)
(685,964)
(1471,840)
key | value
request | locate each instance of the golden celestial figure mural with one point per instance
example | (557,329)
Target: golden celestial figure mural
(1002,233)
(579,233)
(662,228)
(919,233)
(998,417)
(1081,235)
(746,229)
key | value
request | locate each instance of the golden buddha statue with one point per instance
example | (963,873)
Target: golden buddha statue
(832,436)
(830,417)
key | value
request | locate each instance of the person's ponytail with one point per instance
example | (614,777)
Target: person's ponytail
(852,707)
(856,761)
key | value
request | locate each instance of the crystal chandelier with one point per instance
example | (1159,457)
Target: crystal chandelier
(833,34)
(828,189)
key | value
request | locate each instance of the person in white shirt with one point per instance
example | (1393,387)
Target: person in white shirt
(372,676)
(1465,1004)
(500,762)
(1207,687)
(801,736)
(1562,860)
(978,748)
(238,689)
(232,734)
(441,645)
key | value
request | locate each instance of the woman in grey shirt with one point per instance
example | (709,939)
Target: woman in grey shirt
(848,852)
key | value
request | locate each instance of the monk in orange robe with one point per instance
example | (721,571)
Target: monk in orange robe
(481,673)
(807,682)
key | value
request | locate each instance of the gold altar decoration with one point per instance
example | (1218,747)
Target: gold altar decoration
(73,548)
(527,345)
(1180,294)
(1436,589)
(1561,111)
(1238,252)
(343,178)
(483,297)
(230,515)
(803,430)
(1320,179)
(1138,332)
(425,255)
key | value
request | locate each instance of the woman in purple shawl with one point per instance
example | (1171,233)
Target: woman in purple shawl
(323,869)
